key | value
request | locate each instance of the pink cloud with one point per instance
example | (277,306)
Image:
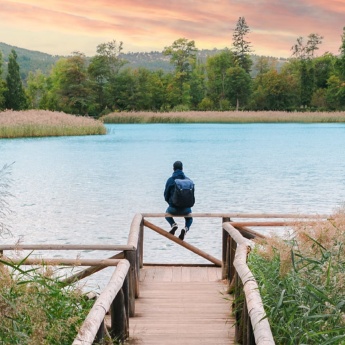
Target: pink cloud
(151,25)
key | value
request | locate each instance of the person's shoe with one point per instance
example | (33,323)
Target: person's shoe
(183,233)
(173,229)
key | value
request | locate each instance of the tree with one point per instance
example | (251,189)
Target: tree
(237,86)
(241,47)
(2,84)
(14,95)
(340,64)
(183,56)
(274,91)
(304,53)
(71,90)
(217,67)
(104,68)
(36,89)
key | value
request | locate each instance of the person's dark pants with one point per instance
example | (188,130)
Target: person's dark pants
(179,212)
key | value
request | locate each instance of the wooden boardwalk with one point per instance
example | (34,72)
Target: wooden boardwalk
(182,305)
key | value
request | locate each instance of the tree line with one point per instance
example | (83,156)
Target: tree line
(103,84)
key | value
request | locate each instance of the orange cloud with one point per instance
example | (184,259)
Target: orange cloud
(62,26)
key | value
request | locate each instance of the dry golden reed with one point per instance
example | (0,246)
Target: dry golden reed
(310,239)
(225,117)
(38,123)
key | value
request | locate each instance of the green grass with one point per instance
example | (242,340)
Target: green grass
(36,309)
(225,117)
(41,123)
(302,283)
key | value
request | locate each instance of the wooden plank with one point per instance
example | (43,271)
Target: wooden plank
(176,274)
(181,311)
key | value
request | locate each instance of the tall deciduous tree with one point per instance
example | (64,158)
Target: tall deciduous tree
(241,47)
(217,67)
(36,90)
(2,84)
(103,69)
(71,88)
(340,64)
(14,95)
(238,86)
(183,56)
(304,53)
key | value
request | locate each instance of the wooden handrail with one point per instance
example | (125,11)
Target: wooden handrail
(102,247)
(133,236)
(239,215)
(61,261)
(94,320)
(260,325)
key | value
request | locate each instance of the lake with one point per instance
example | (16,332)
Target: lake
(87,189)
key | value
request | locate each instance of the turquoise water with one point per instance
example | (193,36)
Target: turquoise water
(87,189)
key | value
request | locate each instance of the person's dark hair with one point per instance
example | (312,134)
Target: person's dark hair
(178,165)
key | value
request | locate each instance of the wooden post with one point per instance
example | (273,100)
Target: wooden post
(238,304)
(225,236)
(245,320)
(130,255)
(125,289)
(232,252)
(99,340)
(119,325)
(141,245)
(137,273)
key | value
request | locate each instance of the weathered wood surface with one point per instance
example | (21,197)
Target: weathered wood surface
(93,321)
(182,305)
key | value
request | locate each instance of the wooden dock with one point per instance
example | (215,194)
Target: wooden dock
(182,305)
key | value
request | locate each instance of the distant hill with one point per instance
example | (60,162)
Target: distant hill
(30,60)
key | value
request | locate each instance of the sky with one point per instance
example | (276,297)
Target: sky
(60,27)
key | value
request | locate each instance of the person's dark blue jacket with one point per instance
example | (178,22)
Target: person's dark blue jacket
(169,186)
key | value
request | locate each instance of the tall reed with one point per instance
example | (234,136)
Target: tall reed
(302,282)
(36,309)
(224,117)
(40,123)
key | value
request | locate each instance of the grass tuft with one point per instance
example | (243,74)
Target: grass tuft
(42,123)
(302,282)
(36,309)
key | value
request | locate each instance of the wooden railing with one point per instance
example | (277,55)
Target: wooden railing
(119,295)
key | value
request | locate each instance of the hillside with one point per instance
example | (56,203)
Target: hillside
(30,60)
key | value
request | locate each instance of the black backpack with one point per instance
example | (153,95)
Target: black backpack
(183,193)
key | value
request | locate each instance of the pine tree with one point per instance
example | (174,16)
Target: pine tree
(241,47)
(15,97)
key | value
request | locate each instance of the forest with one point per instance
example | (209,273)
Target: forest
(229,79)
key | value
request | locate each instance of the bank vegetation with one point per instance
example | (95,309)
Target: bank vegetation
(301,277)
(225,117)
(42,123)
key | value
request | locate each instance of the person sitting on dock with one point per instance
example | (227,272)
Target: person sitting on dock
(179,194)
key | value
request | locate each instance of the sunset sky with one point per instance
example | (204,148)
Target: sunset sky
(60,27)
